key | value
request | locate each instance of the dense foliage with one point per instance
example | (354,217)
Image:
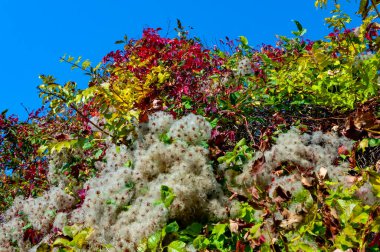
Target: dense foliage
(178,147)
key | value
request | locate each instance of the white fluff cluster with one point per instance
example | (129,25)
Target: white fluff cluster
(300,155)
(244,67)
(39,212)
(315,151)
(99,122)
(291,184)
(12,232)
(366,195)
(122,204)
(192,129)
(57,160)
(309,152)
(60,221)
(160,122)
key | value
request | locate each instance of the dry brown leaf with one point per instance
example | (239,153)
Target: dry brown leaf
(254,192)
(350,180)
(257,166)
(291,221)
(306,182)
(234,226)
(364,119)
(322,172)
(334,213)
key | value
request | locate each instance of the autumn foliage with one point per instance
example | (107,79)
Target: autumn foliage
(300,113)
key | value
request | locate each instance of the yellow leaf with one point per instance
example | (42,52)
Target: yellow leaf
(81,238)
(61,242)
(42,149)
(59,146)
(162,77)
(105,85)
(363,144)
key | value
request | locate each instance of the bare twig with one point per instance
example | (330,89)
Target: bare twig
(375,7)
(76,110)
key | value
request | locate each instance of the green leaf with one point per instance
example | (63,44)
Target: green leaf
(244,40)
(247,213)
(165,138)
(201,242)
(167,195)
(301,31)
(373,142)
(87,145)
(240,143)
(27,226)
(177,246)
(154,241)
(80,239)
(219,229)
(187,105)
(375,227)
(361,218)
(44,247)
(97,67)
(128,164)
(4,112)
(255,230)
(304,247)
(234,97)
(78,60)
(265,247)
(298,24)
(204,144)
(61,242)
(51,213)
(228,158)
(214,123)
(172,227)
(194,229)
(129,185)
(110,202)
(346,206)
(71,231)
(374,179)
(98,153)
(107,246)
(86,64)
(62,58)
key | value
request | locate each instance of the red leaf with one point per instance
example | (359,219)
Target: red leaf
(143,118)
(375,241)
(342,150)
(240,247)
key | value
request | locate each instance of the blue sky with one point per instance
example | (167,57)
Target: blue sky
(34,34)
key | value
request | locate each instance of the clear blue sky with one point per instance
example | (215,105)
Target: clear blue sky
(34,34)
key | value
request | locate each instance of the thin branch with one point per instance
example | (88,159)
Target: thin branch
(76,110)
(88,71)
(375,7)
(247,129)
(102,78)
